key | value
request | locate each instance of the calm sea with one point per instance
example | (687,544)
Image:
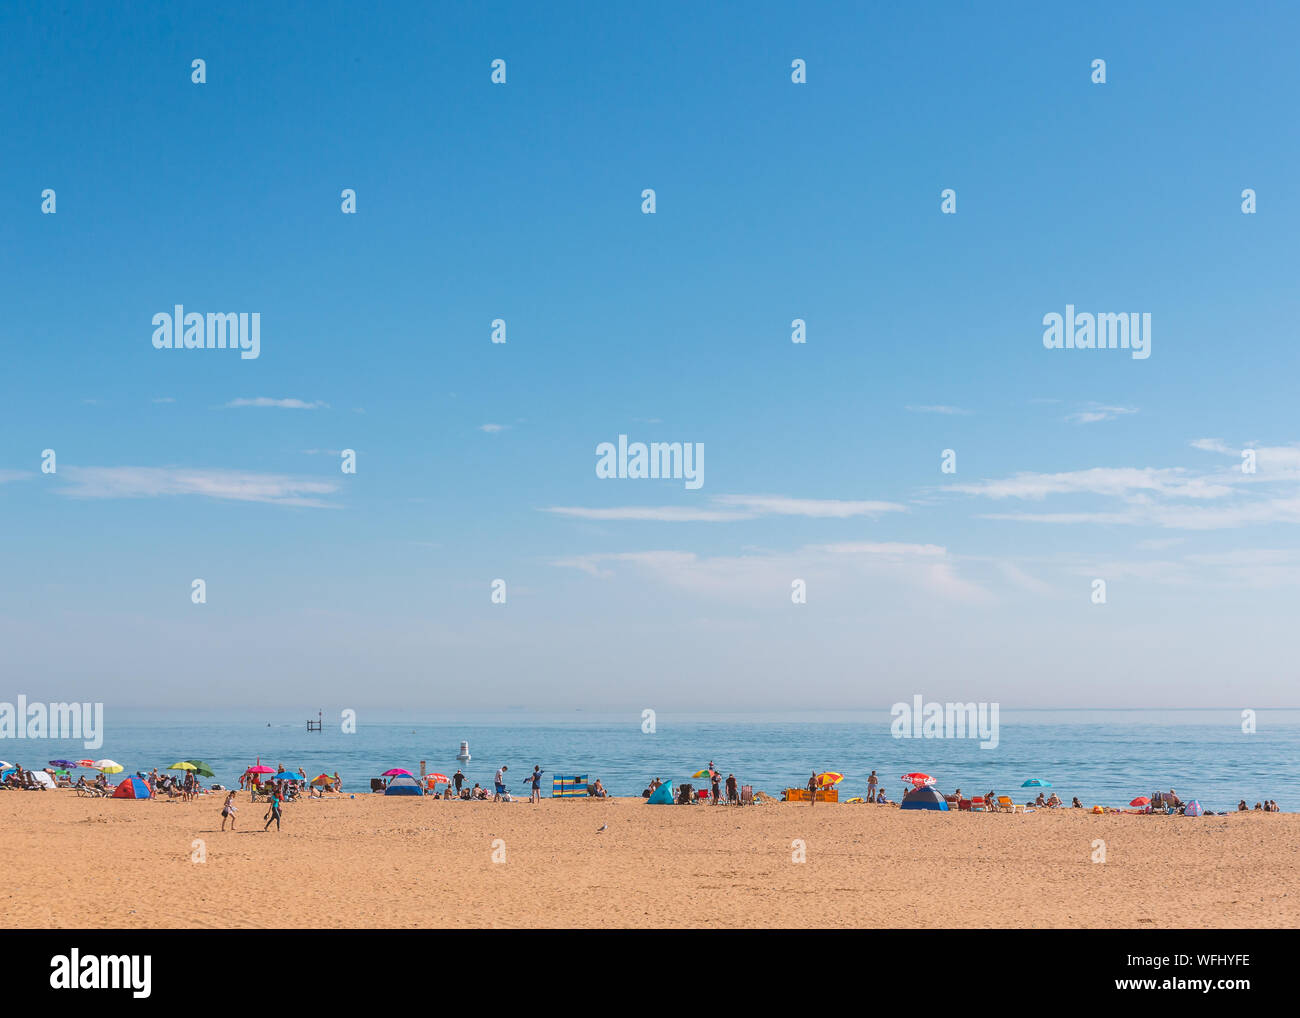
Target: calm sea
(1105,757)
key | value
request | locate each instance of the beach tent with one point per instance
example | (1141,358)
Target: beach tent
(131,788)
(42,778)
(404,784)
(924,797)
(663,795)
(1193,809)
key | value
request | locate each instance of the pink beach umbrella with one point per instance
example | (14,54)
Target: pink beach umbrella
(260,769)
(395,772)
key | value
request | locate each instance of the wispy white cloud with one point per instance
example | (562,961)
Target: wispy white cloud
(283,404)
(14,475)
(228,485)
(1094,412)
(1123,481)
(492,429)
(726,508)
(767,576)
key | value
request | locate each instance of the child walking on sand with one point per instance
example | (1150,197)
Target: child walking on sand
(229,810)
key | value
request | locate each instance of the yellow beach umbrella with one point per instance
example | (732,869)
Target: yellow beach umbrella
(701,774)
(829,778)
(109,766)
(182,765)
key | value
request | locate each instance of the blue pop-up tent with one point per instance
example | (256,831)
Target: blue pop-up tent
(663,795)
(403,784)
(927,797)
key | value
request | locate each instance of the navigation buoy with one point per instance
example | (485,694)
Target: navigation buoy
(463,755)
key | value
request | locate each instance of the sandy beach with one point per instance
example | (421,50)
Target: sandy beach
(377,861)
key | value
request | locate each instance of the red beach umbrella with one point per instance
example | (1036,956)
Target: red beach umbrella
(437,779)
(1141,800)
(918,779)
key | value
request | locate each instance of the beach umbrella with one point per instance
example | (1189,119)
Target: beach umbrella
(62,763)
(1036,783)
(260,769)
(1141,800)
(108,766)
(287,776)
(701,773)
(829,778)
(918,779)
(5,765)
(322,779)
(182,765)
(85,763)
(438,779)
(202,769)
(395,772)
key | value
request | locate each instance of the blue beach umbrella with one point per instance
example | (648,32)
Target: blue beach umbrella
(1036,783)
(62,764)
(288,776)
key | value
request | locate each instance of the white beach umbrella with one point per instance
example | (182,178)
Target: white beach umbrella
(109,766)
(43,778)
(5,765)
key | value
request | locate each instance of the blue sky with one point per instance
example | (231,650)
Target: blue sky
(775,201)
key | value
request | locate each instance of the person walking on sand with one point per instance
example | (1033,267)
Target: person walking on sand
(458,779)
(812,790)
(536,795)
(274,814)
(872,782)
(229,810)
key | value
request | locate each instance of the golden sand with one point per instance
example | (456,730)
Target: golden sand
(377,861)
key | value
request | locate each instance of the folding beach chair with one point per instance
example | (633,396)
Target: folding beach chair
(1005,805)
(977,804)
(747,795)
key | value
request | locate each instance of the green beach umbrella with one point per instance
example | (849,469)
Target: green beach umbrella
(201,769)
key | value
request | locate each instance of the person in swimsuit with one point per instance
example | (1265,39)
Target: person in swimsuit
(536,795)
(812,790)
(228,810)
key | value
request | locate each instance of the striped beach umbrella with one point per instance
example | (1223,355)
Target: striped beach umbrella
(108,766)
(918,779)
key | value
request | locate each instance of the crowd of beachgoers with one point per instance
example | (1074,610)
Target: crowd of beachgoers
(278,785)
